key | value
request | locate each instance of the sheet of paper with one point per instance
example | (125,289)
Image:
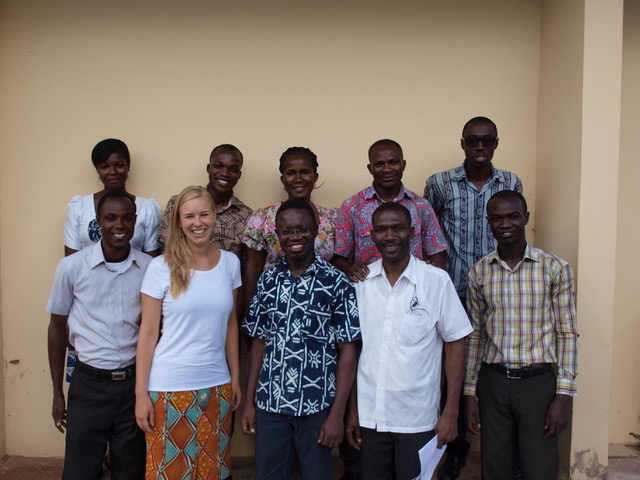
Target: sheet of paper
(430,455)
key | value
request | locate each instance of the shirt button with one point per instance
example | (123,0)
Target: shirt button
(117,294)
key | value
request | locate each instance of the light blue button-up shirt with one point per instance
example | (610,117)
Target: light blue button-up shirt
(102,302)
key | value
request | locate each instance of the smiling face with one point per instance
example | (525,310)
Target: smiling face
(481,154)
(386,165)
(391,234)
(196,220)
(298,177)
(117,220)
(224,169)
(113,172)
(297,231)
(507,219)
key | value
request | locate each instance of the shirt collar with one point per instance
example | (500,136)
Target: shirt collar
(530,253)
(370,193)
(460,173)
(97,257)
(314,269)
(377,269)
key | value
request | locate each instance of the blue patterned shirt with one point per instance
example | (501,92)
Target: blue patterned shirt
(301,319)
(462,212)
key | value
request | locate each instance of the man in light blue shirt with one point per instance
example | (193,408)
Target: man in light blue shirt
(96,292)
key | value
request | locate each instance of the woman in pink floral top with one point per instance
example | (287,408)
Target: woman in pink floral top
(299,174)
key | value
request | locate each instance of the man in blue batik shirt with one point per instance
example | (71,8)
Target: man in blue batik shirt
(304,321)
(459,198)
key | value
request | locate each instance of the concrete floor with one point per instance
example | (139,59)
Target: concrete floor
(624,464)
(31,468)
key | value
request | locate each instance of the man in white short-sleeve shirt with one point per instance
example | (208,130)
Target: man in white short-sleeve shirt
(96,292)
(408,310)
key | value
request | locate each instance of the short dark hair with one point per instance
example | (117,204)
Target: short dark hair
(392,207)
(384,141)
(114,194)
(104,149)
(300,151)
(479,120)
(298,205)
(508,194)
(226,146)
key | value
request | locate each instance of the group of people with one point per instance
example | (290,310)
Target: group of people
(351,316)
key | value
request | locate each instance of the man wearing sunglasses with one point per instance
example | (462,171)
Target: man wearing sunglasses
(459,198)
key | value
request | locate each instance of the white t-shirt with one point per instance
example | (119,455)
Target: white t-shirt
(191,352)
(403,329)
(81,229)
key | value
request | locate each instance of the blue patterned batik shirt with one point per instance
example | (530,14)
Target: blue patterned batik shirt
(301,319)
(462,211)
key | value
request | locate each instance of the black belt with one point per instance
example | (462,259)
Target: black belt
(113,375)
(521,372)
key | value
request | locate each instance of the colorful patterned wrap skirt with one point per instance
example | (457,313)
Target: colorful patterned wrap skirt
(192,434)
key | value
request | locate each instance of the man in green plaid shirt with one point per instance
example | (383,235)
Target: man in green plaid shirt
(522,353)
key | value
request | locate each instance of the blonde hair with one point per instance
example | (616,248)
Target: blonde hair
(177,253)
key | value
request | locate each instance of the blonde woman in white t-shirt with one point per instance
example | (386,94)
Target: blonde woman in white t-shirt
(188,381)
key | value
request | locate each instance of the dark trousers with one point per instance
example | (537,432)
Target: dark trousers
(280,438)
(101,412)
(388,456)
(512,415)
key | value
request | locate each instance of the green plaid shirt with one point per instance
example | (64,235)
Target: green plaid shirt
(522,316)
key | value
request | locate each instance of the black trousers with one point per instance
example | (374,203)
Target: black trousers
(101,412)
(392,456)
(512,415)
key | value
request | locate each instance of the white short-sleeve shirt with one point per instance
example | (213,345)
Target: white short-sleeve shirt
(403,330)
(81,229)
(190,354)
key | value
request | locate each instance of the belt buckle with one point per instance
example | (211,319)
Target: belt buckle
(511,377)
(117,376)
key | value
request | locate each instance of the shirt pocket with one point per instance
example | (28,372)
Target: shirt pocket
(417,327)
(316,328)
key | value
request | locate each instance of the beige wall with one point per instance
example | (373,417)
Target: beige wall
(173,80)
(625,389)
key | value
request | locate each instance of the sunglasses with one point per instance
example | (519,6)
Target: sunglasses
(487,140)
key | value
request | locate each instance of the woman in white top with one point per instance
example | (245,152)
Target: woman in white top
(188,382)
(112,161)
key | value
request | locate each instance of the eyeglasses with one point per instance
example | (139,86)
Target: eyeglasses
(487,140)
(290,232)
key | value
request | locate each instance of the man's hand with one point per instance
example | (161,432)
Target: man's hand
(557,415)
(447,428)
(358,272)
(352,430)
(472,409)
(331,432)
(249,419)
(59,413)
(145,416)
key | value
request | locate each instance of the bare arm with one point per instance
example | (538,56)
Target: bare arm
(155,253)
(256,353)
(68,251)
(57,343)
(252,270)
(437,260)
(332,430)
(232,349)
(147,340)
(447,426)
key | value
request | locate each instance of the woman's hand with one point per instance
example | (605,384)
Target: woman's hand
(236,395)
(145,417)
